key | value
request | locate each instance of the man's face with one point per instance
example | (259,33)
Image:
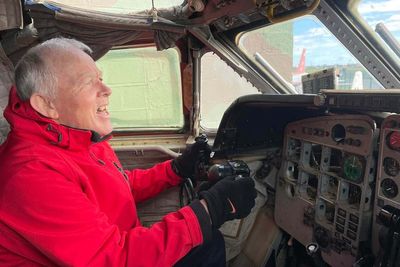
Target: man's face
(82,97)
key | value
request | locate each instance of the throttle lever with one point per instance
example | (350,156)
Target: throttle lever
(203,159)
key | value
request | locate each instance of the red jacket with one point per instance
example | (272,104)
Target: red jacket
(66,201)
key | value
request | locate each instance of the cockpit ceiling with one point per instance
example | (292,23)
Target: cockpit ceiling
(102,30)
(229,14)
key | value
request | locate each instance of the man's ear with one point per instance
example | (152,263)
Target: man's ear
(44,106)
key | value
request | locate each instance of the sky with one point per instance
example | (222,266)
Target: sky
(323,48)
(387,11)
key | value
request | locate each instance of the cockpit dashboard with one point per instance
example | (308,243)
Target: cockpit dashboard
(338,166)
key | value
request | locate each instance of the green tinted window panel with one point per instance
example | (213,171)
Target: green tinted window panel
(119,6)
(146,88)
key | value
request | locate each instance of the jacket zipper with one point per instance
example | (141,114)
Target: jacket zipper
(123,173)
(120,170)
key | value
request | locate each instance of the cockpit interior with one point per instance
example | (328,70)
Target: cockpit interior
(325,159)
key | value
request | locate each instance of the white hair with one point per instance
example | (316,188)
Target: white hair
(35,74)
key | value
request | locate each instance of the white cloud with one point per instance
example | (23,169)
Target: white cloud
(314,38)
(311,36)
(394,17)
(315,32)
(393,23)
(375,6)
(393,26)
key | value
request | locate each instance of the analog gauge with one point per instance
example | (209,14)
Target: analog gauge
(391,166)
(353,168)
(393,140)
(389,188)
(292,171)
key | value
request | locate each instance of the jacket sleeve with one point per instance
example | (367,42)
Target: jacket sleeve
(54,217)
(148,183)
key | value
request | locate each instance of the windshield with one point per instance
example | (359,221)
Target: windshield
(299,49)
(119,6)
(383,16)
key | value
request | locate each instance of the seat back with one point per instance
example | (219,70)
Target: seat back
(6,80)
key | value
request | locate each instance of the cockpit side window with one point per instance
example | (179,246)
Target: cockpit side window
(220,86)
(146,84)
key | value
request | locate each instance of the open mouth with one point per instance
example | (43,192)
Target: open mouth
(103,110)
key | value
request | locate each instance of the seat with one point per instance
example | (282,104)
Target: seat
(6,80)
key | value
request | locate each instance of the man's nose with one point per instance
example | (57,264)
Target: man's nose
(105,90)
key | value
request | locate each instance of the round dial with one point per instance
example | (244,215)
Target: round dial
(393,140)
(391,166)
(353,168)
(389,188)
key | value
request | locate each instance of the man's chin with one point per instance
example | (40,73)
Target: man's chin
(104,132)
(104,129)
(101,135)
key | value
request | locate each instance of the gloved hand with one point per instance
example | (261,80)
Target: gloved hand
(230,198)
(185,164)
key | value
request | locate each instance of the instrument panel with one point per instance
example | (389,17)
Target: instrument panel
(324,194)
(338,184)
(388,177)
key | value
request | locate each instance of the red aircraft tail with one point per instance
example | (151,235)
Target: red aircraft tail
(302,64)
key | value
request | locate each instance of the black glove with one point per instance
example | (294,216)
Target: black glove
(185,164)
(236,191)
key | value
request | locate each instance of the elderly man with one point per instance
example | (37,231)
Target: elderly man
(65,199)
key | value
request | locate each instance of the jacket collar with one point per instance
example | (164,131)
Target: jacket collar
(28,123)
